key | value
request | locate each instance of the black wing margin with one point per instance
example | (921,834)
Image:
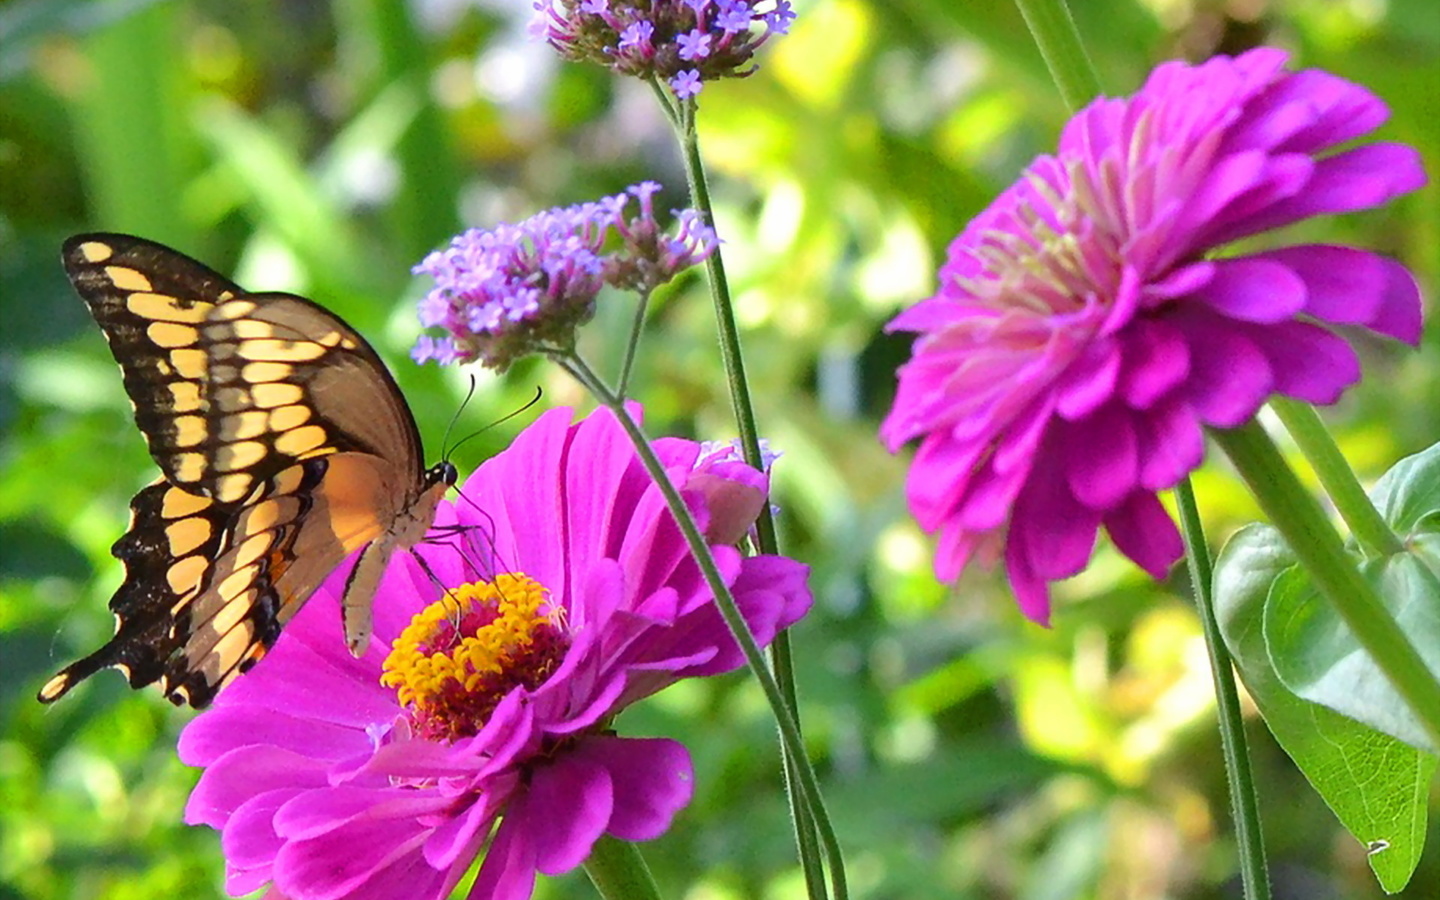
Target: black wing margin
(202,600)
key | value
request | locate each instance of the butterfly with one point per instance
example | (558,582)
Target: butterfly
(283,444)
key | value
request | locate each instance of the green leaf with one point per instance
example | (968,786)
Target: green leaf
(1408,495)
(1375,784)
(1316,655)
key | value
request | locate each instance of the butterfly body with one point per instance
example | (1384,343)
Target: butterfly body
(284,446)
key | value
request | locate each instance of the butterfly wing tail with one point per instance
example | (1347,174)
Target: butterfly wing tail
(129,651)
(171,534)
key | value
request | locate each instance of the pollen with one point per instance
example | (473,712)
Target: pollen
(460,656)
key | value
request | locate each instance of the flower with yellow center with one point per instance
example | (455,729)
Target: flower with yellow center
(460,655)
(491,729)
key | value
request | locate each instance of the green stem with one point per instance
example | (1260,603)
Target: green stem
(1309,534)
(1336,476)
(1244,806)
(619,872)
(781,656)
(633,344)
(729,332)
(1059,42)
(791,740)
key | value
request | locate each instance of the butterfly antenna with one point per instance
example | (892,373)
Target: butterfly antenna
(450,426)
(500,421)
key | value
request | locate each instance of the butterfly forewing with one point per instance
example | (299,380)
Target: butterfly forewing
(284,445)
(230,388)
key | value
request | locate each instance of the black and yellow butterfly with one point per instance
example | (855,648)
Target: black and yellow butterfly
(283,444)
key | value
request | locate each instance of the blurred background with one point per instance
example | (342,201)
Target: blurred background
(325,147)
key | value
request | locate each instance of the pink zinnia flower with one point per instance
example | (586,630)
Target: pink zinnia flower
(571,595)
(1084,331)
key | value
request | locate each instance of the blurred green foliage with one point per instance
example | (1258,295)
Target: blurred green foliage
(325,147)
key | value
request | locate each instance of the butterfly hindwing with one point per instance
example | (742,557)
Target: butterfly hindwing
(207,585)
(284,445)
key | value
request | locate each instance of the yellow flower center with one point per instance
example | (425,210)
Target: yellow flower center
(461,655)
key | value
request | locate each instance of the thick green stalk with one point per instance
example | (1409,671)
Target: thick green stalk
(1244,805)
(1336,476)
(1054,31)
(682,116)
(619,872)
(1302,522)
(797,761)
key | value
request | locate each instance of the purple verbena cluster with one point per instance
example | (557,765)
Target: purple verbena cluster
(681,42)
(506,292)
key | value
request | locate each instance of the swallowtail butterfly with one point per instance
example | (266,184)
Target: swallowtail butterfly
(283,445)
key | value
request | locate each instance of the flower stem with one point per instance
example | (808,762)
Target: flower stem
(729,335)
(1054,31)
(1240,779)
(619,872)
(1336,476)
(796,760)
(633,343)
(1302,522)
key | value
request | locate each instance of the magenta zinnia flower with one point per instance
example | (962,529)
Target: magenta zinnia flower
(570,595)
(1084,330)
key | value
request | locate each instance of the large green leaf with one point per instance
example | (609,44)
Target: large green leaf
(1376,784)
(1317,656)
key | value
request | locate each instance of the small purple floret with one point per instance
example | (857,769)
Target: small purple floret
(682,43)
(519,289)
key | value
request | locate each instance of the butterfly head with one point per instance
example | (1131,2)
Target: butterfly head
(442,472)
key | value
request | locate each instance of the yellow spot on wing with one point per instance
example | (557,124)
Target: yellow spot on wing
(254,547)
(300,441)
(190,431)
(233,488)
(265,516)
(178,504)
(243,425)
(236,582)
(288,480)
(288,417)
(232,309)
(241,455)
(281,351)
(189,466)
(96,252)
(163,306)
(252,328)
(185,396)
(186,574)
(258,372)
(187,534)
(269,396)
(128,279)
(189,362)
(171,334)
(229,650)
(230,615)
(335,339)
(55,687)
